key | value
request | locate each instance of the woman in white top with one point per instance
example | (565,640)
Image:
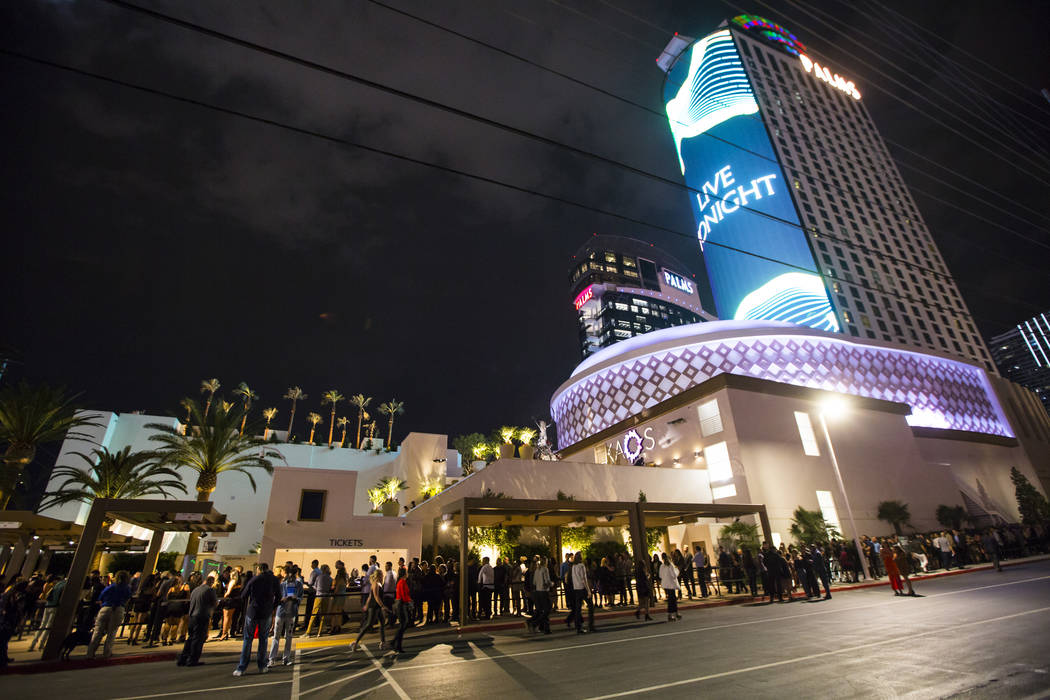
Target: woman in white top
(669,582)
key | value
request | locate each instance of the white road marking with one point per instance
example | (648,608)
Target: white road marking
(202,690)
(696,630)
(365,691)
(295,674)
(341,679)
(810,657)
(389,679)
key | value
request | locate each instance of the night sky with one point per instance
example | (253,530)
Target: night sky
(150,244)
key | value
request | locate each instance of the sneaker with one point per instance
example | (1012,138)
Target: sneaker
(271,662)
(287,662)
(264,669)
(238,673)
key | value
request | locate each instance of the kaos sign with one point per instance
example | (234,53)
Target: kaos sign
(757,257)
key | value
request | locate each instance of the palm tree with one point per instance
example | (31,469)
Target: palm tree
(213,448)
(895,513)
(247,395)
(391,408)
(295,394)
(809,526)
(333,397)
(188,405)
(343,420)
(209,387)
(123,474)
(361,401)
(313,419)
(269,414)
(31,416)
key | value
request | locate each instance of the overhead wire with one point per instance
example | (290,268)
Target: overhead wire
(462,173)
(951,171)
(791,168)
(244,43)
(890,93)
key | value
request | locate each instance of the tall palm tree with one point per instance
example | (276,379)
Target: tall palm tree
(269,414)
(391,408)
(209,387)
(295,394)
(122,474)
(313,419)
(333,397)
(31,416)
(343,420)
(361,401)
(247,396)
(895,513)
(188,405)
(212,448)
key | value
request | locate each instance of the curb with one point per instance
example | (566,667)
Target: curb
(30,667)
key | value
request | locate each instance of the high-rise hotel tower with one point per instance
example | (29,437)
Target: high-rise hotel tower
(800,210)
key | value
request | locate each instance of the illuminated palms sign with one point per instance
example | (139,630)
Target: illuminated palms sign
(757,257)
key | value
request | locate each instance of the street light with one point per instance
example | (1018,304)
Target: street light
(837,406)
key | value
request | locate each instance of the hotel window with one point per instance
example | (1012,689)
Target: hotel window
(311,505)
(723,491)
(827,509)
(719,468)
(805,431)
(710,418)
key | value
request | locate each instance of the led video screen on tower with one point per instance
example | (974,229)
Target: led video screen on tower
(757,256)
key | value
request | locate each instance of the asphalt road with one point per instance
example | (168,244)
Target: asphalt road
(977,635)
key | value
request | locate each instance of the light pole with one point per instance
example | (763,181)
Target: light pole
(839,406)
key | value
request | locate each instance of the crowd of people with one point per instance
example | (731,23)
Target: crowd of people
(165,608)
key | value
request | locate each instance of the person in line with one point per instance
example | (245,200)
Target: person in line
(566,575)
(516,579)
(112,599)
(669,582)
(747,562)
(402,608)
(323,596)
(486,586)
(231,601)
(903,561)
(12,608)
(820,567)
(702,574)
(991,548)
(259,596)
(390,588)
(203,601)
(373,611)
(337,608)
(159,611)
(581,592)
(541,584)
(50,608)
(291,588)
(645,589)
(943,545)
(686,573)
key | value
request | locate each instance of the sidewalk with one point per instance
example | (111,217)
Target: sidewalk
(29,662)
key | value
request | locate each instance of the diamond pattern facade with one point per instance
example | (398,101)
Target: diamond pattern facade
(942,393)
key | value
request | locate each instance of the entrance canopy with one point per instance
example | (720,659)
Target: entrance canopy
(554,515)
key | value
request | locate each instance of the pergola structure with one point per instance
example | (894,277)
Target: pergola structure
(28,539)
(554,515)
(160,516)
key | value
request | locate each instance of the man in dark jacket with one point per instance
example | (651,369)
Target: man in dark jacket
(203,601)
(820,568)
(260,598)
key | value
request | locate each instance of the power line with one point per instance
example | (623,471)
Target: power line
(185,24)
(472,176)
(917,94)
(793,169)
(796,170)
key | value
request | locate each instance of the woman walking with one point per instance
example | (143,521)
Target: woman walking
(892,572)
(669,582)
(903,561)
(402,608)
(373,611)
(645,590)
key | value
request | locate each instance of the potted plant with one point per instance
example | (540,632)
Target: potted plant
(526,436)
(506,449)
(390,486)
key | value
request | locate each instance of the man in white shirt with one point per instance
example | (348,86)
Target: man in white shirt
(487,584)
(944,546)
(581,591)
